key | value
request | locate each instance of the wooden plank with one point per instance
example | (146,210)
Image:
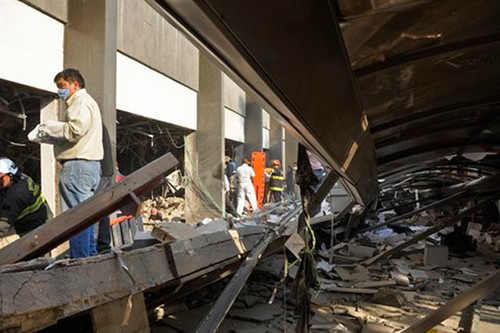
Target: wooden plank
(61,228)
(126,315)
(78,285)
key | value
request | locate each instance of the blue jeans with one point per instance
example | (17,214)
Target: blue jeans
(78,182)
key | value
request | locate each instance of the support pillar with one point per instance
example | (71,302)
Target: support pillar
(291,149)
(124,315)
(204,149)
(276,142)
(49,109)
(90,47)
(253,130)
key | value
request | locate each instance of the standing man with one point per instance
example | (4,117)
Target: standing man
(276,182)
(245,173)
(77,141)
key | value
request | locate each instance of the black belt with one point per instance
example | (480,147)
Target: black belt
(74,159)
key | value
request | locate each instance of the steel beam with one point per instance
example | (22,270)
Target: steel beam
(430,231)
(415,212)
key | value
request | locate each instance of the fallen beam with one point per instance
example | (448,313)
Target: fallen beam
(466,298)
(221,307)
(35,298)
(402,217)
(430,231)
(71,222)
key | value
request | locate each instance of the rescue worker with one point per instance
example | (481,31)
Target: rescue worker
(245,173)
(22,204)
(276,182)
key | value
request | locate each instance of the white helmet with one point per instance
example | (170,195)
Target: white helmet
(7,167)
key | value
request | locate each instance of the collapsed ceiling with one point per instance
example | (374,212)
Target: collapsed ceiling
(423,72)
(427,73)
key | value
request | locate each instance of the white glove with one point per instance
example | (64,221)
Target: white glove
(33,136)
(53,129)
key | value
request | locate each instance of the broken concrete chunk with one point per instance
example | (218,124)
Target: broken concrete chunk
(211,227)
(143,239)
(352,272)
(418,274)
(401,279)
(389,297)
(171,231)
(435,255)
(360,251)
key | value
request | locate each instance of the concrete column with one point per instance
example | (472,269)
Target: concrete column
(49,109)
(204,149)
(253,130)
(90,47)
(291,150)
(276,142)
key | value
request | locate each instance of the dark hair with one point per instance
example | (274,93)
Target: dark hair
(71,75)
(246,161)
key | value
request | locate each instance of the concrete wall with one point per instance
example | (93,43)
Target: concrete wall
(144,35)
(32,45)
(234,126)
(234,99)
(266,127)
(55,8)
(143,91)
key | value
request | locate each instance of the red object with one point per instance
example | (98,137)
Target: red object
(119,220)
(258,165)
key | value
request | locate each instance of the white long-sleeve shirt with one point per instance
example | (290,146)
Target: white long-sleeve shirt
(81,129)
(245,173)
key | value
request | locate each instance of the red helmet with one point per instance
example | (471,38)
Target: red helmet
(276,163)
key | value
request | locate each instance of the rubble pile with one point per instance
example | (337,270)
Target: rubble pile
(390,295)
(163,209)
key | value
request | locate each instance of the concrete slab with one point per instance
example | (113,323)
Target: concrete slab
(171,231)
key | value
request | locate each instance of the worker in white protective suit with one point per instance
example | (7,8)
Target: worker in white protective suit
(244,174)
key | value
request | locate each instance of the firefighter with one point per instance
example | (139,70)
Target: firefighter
(277,182)
(22,204)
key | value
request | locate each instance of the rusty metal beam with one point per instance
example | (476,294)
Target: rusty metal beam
(69,223)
